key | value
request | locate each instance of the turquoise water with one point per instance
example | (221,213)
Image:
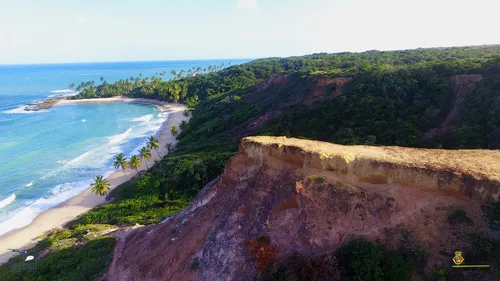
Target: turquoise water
(49,156)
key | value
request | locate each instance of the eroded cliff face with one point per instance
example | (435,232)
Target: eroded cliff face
(309,197)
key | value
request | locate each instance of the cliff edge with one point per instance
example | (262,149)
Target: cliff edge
(310,197)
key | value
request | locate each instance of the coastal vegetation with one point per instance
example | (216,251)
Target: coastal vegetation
(392,98)
(145,154)
(154,143)
(135,163)
(120,161)
(174,131)
(100,186)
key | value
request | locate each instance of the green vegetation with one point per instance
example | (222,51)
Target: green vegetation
(482,249)
(135,163)
(145,154)
(316,179)
(394,98)
(358,260)
(493,215)
(174,131)
(65,263)
(459,216)
(100,186)
(154,143)
(120,161)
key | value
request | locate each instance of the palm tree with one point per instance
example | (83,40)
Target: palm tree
(174,131)
(145,154)
(100,186)
(153,143)
(71,86)
(135,163)
(120,162)
(169,147)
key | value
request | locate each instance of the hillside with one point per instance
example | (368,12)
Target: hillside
(280,197)
(427,98)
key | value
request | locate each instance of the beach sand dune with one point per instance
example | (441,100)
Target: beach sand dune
(26,237)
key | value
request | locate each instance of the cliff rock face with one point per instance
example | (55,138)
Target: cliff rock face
(310,197)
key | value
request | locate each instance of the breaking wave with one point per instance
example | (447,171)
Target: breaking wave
(22,110)
(7,201)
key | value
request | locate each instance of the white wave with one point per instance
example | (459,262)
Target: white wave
(29,184)
(97,158)
(7,201)
(104,153)
(22,110)
(145,118)
(62,91)
(26,214)
(83,120)
(120,137)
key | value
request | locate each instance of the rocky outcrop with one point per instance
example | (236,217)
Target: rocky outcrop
(297,196)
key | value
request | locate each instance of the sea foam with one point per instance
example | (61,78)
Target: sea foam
(22,110)
(120,137)
(144,118)
(62,91)
(7,201)
(25,215)
(96,160)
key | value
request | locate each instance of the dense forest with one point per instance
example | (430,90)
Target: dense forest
(395,98)
(388,98)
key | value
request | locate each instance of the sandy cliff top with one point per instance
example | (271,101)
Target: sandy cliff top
(475,162)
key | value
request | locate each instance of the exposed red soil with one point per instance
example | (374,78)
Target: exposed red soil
(280,196)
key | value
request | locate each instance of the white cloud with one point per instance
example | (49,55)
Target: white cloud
(247,4)
(80,20)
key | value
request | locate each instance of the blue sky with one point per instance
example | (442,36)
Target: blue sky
(34,31)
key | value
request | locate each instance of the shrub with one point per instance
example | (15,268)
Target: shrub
(459,216)
(77,263)
(365,261)
(299,268)
(482,248)
(316,179)
(359,260)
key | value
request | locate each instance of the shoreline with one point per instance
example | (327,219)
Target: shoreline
(68,210)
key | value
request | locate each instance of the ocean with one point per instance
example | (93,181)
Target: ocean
(49,156)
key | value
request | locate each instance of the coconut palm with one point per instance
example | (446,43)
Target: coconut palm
(100,186)
(135,163)
(174,131)
(120,162)
(71,86)
(145,154)
(153,143)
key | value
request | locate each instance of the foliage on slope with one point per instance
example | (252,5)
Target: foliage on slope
(395,98)
(450,61)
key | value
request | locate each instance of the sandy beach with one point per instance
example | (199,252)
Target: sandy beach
(26,237)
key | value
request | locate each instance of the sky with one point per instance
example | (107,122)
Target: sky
(61,31)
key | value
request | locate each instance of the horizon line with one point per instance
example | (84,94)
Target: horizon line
(255,58)
(124,61)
